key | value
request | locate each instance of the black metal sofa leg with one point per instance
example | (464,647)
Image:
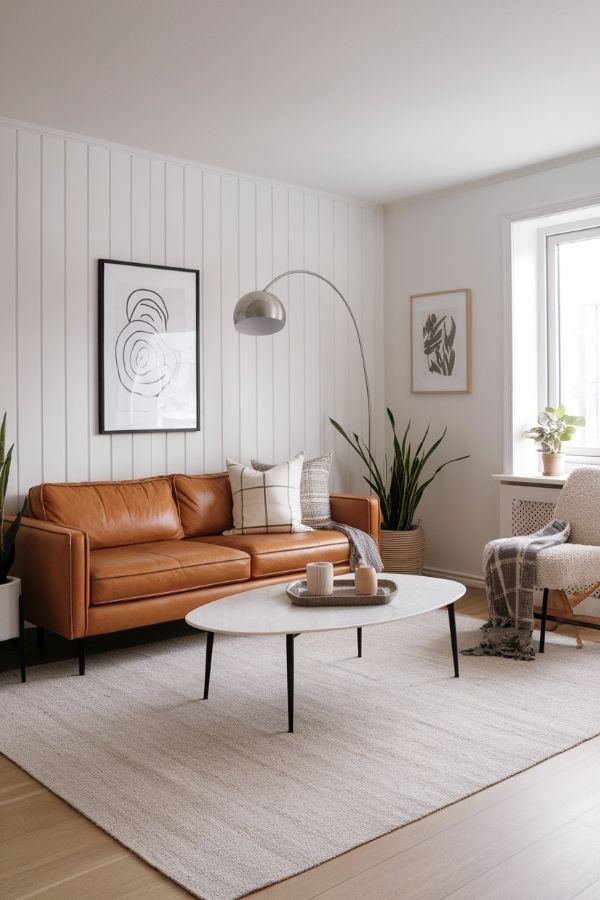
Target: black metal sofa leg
(22,654)
(81,648)
(543,620)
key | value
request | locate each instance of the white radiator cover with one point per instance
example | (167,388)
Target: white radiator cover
(528,516)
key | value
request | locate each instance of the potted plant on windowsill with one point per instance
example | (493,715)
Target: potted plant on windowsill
(10,588)
(553,428)
(400,488)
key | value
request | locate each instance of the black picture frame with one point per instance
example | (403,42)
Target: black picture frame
(132,334)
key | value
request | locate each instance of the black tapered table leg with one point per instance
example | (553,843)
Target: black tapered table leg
(543,621)
(452,622)
(81,648)
(210,636)
(289,654)
(359,640)
(22,641)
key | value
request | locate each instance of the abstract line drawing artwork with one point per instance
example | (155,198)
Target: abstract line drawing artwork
(145,362)
(440,342)
(149,348)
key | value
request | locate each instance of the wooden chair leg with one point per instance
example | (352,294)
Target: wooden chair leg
(568,602)
(562,604)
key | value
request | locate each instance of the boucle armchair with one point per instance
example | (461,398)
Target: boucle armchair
(570,572)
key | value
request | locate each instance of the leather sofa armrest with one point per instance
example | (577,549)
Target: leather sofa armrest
(359,511)
(53,564)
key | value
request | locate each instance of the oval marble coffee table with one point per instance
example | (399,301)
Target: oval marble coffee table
(269,610)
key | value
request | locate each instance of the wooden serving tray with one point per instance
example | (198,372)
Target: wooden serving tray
(343,594)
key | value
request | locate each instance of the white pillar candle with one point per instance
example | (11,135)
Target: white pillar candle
(319,578)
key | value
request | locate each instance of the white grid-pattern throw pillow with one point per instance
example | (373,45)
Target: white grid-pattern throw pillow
(266,502)
(314,489)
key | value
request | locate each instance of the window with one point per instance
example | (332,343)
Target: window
(573,331)
(553,329)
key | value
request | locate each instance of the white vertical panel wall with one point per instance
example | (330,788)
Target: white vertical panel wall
(65,202)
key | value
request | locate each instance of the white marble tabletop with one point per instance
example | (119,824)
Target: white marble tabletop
(269,610)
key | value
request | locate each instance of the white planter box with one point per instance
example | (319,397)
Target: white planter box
(9,608)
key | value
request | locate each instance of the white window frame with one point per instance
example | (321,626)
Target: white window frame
(524,232)
(549,317)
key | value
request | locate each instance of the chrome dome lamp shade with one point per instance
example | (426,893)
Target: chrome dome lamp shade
(259,313)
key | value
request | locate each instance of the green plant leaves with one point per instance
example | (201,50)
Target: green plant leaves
(2,439)
(401,486)
(7,538)
(553,428)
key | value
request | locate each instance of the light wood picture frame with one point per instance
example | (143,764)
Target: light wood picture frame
(440,342)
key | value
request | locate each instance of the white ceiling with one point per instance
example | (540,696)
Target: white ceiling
(379,99)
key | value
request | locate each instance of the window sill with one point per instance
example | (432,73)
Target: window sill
(532,478)
(529,477)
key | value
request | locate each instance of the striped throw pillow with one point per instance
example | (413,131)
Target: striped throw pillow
(268,501)
(314,489)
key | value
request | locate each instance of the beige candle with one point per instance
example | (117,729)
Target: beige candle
(365,580)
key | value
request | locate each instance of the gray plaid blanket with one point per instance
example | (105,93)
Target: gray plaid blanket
(363,548)
(509,566)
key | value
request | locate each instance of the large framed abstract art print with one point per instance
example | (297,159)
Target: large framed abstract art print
(149,347)
(440,329)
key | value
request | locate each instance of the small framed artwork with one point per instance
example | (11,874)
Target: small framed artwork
(440,326)
(149,347)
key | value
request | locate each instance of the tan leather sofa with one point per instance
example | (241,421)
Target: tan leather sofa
(100,557)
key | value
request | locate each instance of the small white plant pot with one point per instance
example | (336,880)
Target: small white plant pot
(553,463)
(9,608)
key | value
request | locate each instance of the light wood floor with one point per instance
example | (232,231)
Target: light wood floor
(532,837)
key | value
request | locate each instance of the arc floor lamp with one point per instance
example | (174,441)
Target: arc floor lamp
(261,312)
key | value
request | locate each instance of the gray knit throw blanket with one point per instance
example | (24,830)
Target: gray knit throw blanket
(509,566)
(363,548)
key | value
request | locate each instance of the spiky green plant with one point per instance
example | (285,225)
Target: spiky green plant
(7,539)
(402,485)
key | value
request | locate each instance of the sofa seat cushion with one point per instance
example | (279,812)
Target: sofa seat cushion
(162,567)
(278,554)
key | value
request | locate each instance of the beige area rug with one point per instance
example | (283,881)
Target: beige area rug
(220,798)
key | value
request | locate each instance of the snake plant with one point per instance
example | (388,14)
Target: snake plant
(401,485)
(8,537)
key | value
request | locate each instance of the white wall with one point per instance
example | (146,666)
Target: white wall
(66,201)
(456,240)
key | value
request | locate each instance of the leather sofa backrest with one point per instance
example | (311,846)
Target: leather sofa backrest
(113,513)
(205,503)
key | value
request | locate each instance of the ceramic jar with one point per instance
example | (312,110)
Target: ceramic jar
(365,580)
(319,578)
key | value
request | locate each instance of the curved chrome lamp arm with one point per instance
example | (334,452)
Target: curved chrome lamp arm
(355,323)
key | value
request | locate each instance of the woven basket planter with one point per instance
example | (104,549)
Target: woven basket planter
(403,551)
